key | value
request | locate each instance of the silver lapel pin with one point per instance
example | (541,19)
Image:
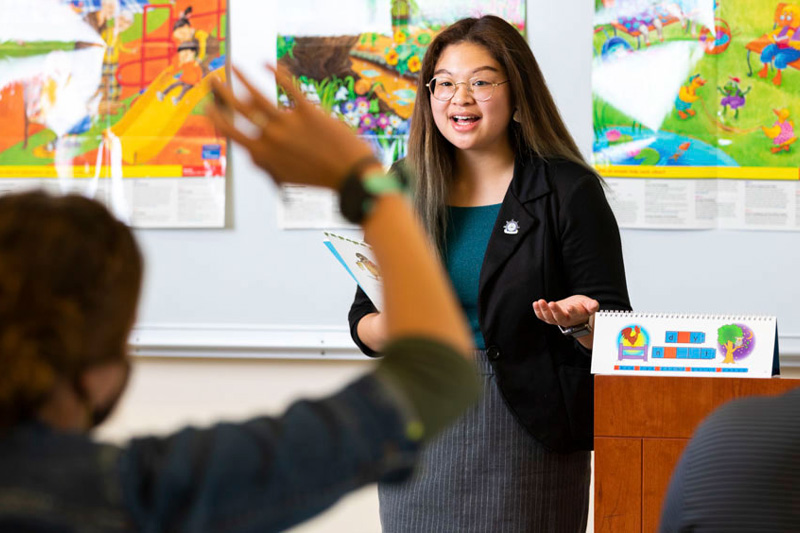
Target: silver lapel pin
(511,227)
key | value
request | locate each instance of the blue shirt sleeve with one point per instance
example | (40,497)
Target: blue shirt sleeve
(268,473)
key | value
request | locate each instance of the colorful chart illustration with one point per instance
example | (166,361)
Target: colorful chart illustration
(633,343)
(673,348)
(685,344)
(735,342)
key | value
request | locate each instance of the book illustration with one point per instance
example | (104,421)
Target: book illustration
(633,342)
(371,268)
(359,261)
(736,341)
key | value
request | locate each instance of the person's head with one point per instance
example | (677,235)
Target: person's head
(70,275)
(520,113)
(183,32)
(188,51)
(470,99)
(182,29)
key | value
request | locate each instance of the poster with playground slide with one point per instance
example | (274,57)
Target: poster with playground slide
(369,79)
(106,97)
(696,89)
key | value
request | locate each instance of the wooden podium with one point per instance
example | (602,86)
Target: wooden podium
(641,425)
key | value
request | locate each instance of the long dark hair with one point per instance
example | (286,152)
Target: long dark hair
(70,275)
(540,129)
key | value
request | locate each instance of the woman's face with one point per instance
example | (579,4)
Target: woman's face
(464,121)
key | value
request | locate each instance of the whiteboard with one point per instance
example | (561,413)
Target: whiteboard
(253,290)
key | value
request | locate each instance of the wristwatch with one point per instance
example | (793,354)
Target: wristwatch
(576,332)
(358,193)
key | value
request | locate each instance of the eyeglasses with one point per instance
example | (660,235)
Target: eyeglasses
(444,89)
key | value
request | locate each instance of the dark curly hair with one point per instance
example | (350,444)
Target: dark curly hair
(70,275)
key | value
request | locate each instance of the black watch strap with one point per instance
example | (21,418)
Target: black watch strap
(358,192)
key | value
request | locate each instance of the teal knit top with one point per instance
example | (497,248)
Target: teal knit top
(466,239)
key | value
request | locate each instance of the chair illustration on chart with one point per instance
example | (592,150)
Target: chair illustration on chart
(633,343)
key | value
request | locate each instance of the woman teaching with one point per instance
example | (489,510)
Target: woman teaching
(533,251)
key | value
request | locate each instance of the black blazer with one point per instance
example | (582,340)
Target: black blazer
(568,243)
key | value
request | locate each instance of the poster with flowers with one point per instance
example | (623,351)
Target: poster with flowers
(368,80)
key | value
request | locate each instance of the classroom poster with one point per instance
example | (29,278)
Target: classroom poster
(765,205)
(365,73)
(106,97)
(698,89)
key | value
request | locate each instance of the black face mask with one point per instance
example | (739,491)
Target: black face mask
(99,414)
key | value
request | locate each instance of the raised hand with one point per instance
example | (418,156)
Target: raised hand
(301,145)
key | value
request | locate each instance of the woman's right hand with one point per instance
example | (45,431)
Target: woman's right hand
(373,331)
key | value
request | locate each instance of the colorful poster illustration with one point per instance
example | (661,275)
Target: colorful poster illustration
(99,96)
(696,89)
(369,79)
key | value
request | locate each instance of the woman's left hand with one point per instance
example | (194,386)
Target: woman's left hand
(572,311)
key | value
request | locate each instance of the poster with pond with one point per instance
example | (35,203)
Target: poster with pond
(696,89)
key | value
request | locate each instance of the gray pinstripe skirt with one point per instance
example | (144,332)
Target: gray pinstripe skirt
(486,474)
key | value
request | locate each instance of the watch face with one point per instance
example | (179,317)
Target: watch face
(577,331)
(582,331)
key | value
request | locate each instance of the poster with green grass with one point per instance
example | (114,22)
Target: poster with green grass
(696,89)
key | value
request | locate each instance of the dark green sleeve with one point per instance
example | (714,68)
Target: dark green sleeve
(437,383)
